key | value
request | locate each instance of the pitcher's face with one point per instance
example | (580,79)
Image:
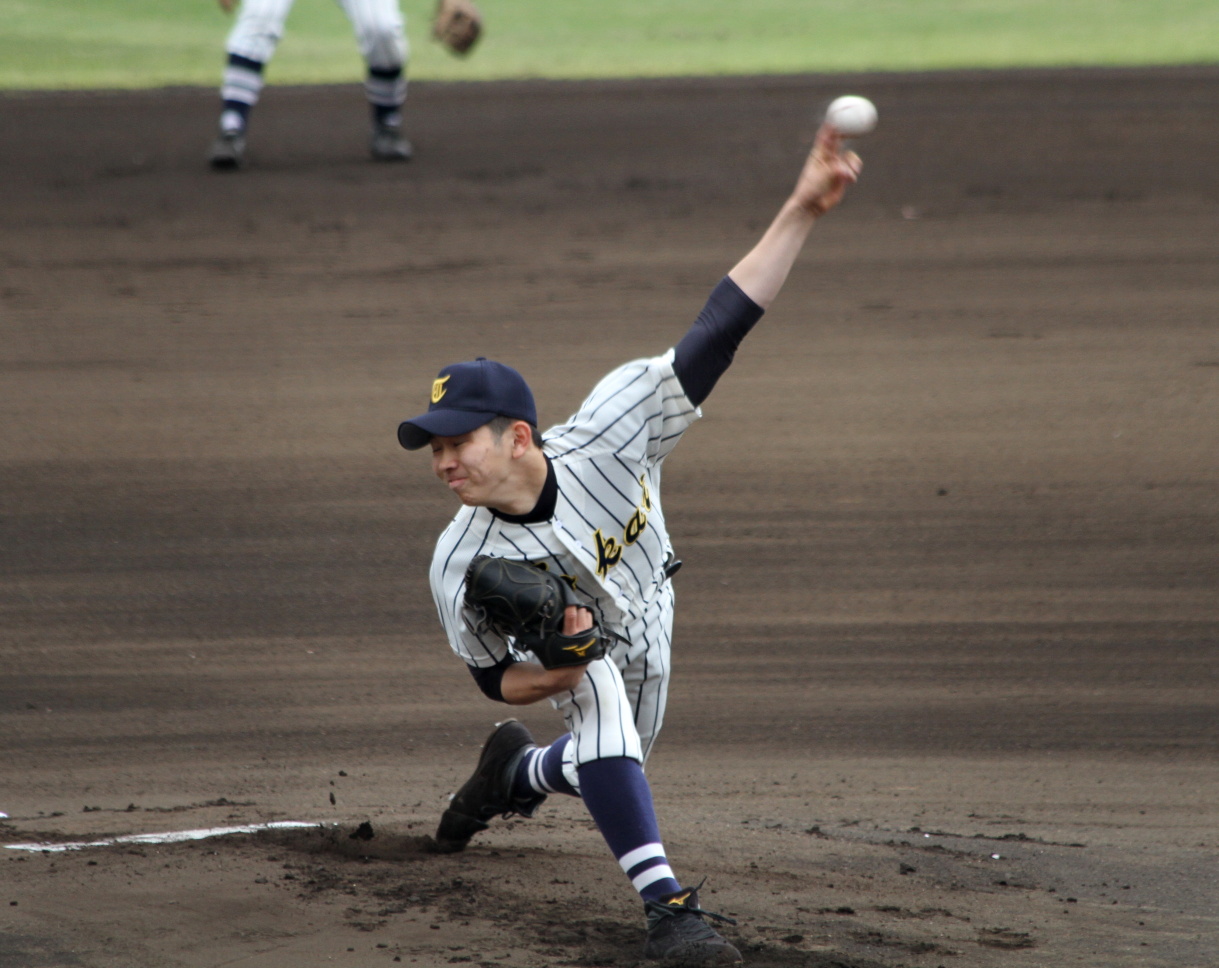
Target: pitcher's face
(474,466)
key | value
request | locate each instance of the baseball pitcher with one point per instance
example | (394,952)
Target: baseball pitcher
(553,581)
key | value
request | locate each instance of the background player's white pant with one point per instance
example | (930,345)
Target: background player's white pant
(379,28)
(619,706)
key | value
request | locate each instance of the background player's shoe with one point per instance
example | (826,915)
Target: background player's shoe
(228,151)
(388,144)
(678,935)
(488,793)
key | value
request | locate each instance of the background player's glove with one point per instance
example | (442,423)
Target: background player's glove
(457,24)
(515,598)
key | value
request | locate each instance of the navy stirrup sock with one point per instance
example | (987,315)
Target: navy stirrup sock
(541,771)
(619,799)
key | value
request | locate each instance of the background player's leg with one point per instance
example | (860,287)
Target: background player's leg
(250,45)
(239,92)
(380,30)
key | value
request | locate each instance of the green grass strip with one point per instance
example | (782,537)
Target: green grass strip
(63,44)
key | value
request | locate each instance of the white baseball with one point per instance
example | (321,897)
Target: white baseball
(852,115)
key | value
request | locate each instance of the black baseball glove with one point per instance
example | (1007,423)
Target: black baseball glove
(517,599)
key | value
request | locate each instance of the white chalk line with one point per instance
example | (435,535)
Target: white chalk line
(170,837)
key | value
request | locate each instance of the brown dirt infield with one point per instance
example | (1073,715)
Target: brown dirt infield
(946,687)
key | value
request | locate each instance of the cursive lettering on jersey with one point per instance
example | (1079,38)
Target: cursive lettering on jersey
(609,550)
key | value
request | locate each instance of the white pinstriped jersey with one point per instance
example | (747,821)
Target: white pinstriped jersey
(608,534)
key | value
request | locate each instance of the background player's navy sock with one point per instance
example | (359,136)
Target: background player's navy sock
(619,799)
(239,91)
(234,116)
(541,771)
(385,89)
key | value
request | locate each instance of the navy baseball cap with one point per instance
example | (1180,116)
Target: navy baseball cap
(467,395)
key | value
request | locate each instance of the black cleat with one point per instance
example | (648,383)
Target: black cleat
(678,935)
(488,793)
(388,144)
(228,151)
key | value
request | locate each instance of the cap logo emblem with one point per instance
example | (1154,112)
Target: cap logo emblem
(439,389)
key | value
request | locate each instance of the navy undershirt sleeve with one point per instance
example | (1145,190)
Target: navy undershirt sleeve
(707,349)
(490,680)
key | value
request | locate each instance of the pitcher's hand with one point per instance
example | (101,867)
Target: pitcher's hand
(826,174)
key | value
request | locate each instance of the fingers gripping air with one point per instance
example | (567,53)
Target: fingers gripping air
(519,600)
